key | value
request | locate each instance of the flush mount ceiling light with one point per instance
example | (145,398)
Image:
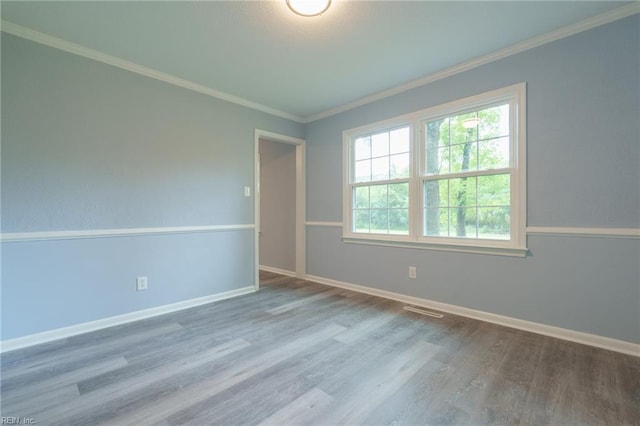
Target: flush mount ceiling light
(308,7)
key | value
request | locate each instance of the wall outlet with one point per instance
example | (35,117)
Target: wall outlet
(141,283)
(247,191)
(412,272)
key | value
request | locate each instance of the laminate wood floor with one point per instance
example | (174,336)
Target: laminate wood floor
(298,352)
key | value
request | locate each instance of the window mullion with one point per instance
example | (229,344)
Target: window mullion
(380,182)
(470,173)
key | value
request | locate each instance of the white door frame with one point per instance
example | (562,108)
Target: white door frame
(300,200)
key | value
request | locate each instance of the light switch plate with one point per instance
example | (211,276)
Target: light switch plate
(142,283)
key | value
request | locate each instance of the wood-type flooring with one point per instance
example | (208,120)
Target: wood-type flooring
(298,352)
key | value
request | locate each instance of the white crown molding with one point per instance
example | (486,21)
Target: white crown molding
(278,271)
(13,237)
(587,24)
(533,327)
(61,333)
(584,232)
(77,49)
(326,224)
(55,42)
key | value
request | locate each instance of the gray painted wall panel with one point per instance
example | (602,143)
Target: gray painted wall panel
(278,205)
(89,146)
(52,284)
(582,140)
(584,284)
(583,168)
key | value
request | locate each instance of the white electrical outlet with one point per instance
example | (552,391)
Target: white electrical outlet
(141,283)
(247,191)
(412,272)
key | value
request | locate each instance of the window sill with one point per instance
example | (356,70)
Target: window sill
(458,248)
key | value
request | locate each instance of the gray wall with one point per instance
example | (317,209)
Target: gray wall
(88,146)
(278,205)
(583,159)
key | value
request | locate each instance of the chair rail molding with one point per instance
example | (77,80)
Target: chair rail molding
(12,237)
(584,232)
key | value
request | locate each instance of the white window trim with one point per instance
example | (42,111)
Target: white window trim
(516,246)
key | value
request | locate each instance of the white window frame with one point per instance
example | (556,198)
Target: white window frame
(366,131)
(515,246)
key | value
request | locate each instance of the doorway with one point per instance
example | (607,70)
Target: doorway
(280,148)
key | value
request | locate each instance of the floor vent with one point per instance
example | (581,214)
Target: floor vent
(422,311)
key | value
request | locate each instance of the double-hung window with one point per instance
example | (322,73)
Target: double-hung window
(450,177)
(380,182)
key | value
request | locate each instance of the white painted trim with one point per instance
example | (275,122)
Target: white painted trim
(55,42)
(327,224)
(424,245)
(277,137)
(587,24)
(347,156)
(584,232)
(256,210)
(12,237)
(61,333)
(301,210)
(533,327)
(77,49)
(301,199)
(544,230)
(278,271)
(515,95)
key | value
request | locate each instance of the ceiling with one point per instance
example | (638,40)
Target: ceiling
(304,67)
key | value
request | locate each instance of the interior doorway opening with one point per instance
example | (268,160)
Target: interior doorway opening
(286,243)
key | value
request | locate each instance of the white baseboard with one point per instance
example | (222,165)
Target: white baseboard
(61,333)
(622,346)
(277,271)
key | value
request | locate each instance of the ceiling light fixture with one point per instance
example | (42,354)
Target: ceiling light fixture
(308,7)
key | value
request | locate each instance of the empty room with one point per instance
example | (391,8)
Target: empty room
(320,212)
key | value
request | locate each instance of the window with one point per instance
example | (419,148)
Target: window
(466,176)
(380,182)
(451,177)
